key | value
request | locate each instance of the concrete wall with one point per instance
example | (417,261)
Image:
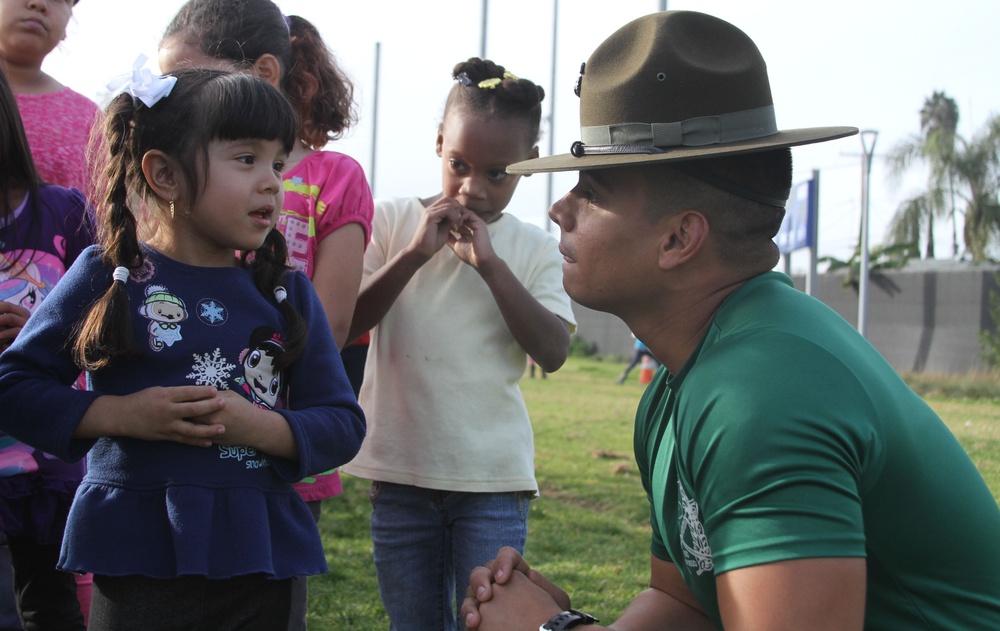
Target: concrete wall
(925,318)
(606,331)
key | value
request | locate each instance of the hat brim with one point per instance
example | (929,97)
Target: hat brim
(788,138)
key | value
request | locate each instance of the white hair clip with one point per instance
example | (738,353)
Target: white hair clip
(142,84)
(120,274)
(280,294)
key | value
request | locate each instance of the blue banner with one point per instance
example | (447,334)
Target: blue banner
(796,228)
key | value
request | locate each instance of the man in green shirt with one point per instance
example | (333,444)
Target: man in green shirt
(794,481)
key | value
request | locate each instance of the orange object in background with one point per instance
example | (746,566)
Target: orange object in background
(649,366)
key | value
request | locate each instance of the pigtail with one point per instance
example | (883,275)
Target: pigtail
(269,270)
(105,332)
(318,88)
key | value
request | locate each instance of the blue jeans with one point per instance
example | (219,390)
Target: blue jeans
(427,542)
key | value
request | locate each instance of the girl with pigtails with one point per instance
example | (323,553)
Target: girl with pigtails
(459,294)
(187,516)
(327,213)
(326,217)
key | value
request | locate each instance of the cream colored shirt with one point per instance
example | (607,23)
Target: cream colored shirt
(440,390)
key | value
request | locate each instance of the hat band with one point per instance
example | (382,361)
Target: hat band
(693,132)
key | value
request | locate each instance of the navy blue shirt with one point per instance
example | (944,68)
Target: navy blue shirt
(160,508)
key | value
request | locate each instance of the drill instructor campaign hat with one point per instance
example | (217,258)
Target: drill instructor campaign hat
(674,86)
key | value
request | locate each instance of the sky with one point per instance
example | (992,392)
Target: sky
(863,63)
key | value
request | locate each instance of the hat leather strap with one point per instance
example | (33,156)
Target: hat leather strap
(693,132)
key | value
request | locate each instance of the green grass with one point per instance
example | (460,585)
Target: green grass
(589,530)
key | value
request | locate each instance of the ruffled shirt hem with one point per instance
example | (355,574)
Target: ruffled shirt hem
(188,530)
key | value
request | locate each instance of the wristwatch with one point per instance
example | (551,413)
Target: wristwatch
(567,620)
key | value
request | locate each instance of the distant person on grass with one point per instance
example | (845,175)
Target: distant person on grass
(640,352)
(794,480)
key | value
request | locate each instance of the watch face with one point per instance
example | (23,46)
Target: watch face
(567,620)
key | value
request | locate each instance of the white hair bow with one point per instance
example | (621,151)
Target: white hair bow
(142,84)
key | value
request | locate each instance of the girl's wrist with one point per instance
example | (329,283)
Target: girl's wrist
(100,419)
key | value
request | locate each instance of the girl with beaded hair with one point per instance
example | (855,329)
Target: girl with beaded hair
(457,294)
(187,516)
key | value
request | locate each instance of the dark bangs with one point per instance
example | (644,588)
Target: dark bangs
(240,106)
(207,105)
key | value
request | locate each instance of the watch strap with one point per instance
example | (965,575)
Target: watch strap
(567,620)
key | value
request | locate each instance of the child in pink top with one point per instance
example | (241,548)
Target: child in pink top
(58,127)
(327,213)
(56,119)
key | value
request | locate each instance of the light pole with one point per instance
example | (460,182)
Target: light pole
(868,138)
(485,28)
(549,190)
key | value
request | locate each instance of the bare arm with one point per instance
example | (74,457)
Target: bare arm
(200,416)
(158,413)
(542,334)
(511,597)
(824,594)
(380,290)
(247,424)
(667,604)
(827,594)
(337,277)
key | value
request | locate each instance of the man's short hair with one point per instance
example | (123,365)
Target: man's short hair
(743,229)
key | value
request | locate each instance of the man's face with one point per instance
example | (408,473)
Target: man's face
(609,238)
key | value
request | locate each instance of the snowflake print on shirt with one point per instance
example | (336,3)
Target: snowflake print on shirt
(212,312)
(211,370)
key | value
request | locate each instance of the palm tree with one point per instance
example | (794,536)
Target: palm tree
(939,123)
(881,258)
(977,164)
(936,145)
(911,216)
(969,170)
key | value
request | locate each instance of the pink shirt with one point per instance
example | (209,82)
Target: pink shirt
(323,192)
(58,127)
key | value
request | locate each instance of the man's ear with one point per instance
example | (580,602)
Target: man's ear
(161,172)
(685,235)
(268,68)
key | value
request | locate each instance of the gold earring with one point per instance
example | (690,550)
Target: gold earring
(171,209)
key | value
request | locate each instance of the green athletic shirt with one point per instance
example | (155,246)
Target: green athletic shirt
(785,436)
